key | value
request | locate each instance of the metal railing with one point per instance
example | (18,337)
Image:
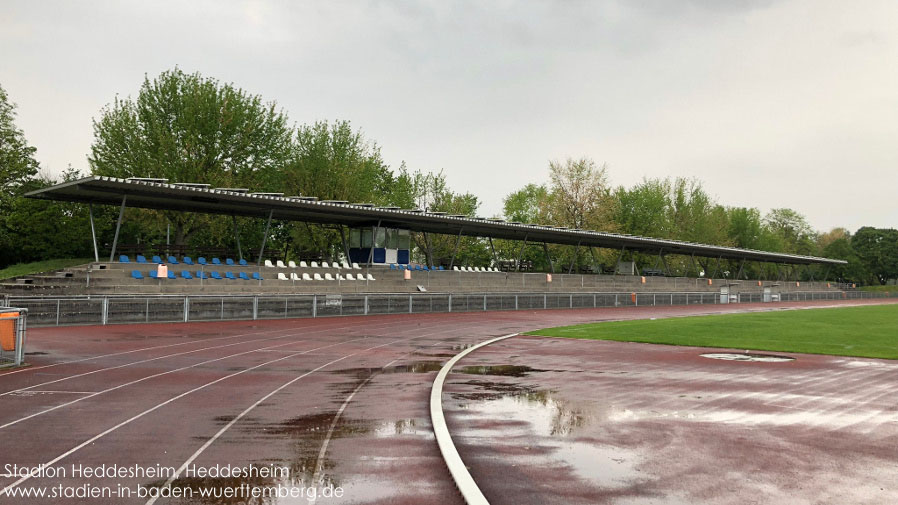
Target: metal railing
(12,336)
(125,309)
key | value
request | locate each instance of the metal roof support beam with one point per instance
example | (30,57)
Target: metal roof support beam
(717,269)
(265,236)
(619,258)
(237,236)
(93,231)
(826,273)
(548,257)
(345,243)
(576,258)
(741,269)
(666,266)
(694,268)
(374,230)
(595,261)
(517,264)
(455,251)
(493,250)
(118,226)
(776,268)
(429,251)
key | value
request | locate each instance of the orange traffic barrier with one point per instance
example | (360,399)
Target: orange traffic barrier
(633,297)
(8,330)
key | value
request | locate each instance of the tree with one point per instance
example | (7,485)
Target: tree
(188,128)
(527,205)
(17,168)
(645,208)
(579,196)
(877,249)
(792,230)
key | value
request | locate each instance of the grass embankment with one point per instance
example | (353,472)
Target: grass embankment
(880,289)
(40,266)
(870,332)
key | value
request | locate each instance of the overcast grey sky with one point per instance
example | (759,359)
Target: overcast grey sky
(770,103)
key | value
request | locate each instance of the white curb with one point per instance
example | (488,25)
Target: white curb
(463,480)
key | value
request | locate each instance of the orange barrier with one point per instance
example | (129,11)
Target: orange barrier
(633,297)
(8,330)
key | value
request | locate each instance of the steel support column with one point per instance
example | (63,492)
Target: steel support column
(517,264)
(455,251)
(548,257)
(265,236)
(374,230)
(576,257)
(429,251)
(237,236)
(493,250)
(619,258)
(345,243)
(93,232)
(118,226)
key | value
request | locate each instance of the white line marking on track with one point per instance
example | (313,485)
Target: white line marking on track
(158,406)
(246,411)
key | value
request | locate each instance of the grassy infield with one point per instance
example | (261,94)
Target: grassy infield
(870,331)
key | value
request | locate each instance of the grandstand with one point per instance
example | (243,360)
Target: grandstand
(376,255)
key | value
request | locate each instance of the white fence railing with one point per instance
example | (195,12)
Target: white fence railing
(124,309)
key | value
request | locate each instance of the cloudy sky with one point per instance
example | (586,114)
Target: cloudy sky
(788,103)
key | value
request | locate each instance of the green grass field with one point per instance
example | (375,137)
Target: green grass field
(40,266)
(870,332)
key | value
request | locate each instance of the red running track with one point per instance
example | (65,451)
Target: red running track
(339,403)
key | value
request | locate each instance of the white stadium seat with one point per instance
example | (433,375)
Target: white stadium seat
(291,264)
(346,266)
(306,277)
(318,277)
(356,266)
(335,265)
(269,264)
(281,264)
(282,277)
(314,264)
(324,264)
(328,277)
(303,264)
(293,276)
(349,277)
(455,268)
(370,277)
(340,277)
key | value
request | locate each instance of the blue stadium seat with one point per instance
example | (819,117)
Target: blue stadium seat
(171,275)
(418,267)
(187,260)
(136,274)
(229,261)
(185,274)
(123,259)
(230,275)
(157,259)
(153,274)
(243,262)
(141,259)
(256,276)
(215,275)
(201,275)
(173,260)
(441,267)
(392,266)
(201,261)
(244,276)
(216,261)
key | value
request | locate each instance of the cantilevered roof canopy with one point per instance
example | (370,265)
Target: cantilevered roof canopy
(187,197)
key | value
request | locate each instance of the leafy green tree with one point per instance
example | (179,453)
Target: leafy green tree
(645,208)
(189,128)
(527,205)
(877,249)
(17,168)
(792,231)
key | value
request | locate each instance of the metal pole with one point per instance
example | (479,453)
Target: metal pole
(118,226)
(666,266)
(570,269)
(237,236)
(345,244)
(619,258)
(429,252)
(548,257)
(455,251)
(517,265)
(694,268)
(493,250)
(374,230)
(93,232)
(265,236)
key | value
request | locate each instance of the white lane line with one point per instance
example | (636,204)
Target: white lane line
(5,490)
(226,427)
(460,474)
(136,381)
(33,368)
(36,391)
(148,360)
